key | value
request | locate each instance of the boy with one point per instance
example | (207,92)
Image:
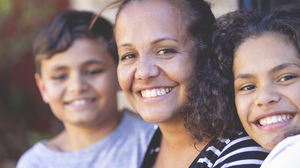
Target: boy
(76,75)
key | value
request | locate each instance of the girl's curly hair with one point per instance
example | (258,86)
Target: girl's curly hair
(212,106)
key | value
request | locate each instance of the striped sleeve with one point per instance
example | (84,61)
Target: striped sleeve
(241,152)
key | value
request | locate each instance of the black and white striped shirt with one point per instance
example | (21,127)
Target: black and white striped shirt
(240,151)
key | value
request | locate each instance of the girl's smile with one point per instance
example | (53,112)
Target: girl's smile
(267,87)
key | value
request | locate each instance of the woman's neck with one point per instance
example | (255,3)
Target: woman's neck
(178,148)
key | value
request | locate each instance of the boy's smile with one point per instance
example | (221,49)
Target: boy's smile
(267,87)
(80,84)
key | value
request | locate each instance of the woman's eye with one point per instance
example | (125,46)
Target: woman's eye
(165,51)
(285,78)
(248,87)
(127,56)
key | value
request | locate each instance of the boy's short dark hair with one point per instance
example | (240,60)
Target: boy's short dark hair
(68,26)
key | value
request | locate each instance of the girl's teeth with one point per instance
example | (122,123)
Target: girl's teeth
(163,92)
(275,119)
(155,92)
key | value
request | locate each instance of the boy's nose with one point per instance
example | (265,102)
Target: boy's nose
(146,68)
(267,96)
(78,84)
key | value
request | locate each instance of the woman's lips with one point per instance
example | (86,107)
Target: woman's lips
(151,93)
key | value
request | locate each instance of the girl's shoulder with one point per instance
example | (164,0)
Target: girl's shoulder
(240,150)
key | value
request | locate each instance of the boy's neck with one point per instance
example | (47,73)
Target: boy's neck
(75,138)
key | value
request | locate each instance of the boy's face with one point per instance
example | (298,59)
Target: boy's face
(80,84)
(267,88)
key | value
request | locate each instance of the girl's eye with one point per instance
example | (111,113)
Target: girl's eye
(127,56)
(285,78)
(165,51)
(248,87)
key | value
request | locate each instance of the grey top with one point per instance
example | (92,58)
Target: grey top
(123,148)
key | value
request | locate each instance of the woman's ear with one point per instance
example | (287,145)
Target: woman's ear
(41,87)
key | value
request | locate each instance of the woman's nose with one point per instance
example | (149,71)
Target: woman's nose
(146,68)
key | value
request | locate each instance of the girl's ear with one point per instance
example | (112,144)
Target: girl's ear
(41,86)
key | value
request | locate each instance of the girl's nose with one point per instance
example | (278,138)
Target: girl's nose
(267,96)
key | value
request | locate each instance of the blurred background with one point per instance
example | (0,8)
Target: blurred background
(24,118)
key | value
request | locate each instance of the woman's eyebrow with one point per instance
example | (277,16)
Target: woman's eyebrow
(163,39)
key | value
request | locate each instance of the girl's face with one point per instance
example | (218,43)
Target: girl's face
(156,59)
(267,88)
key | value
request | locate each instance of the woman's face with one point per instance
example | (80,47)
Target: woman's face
(156,59)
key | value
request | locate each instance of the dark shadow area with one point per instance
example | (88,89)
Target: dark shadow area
(24,118)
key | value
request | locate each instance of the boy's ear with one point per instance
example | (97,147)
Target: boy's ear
(41,86)
(119,87)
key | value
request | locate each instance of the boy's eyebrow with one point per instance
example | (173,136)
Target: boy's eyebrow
(59,67)
(94,62)
(282,66)
(62,67)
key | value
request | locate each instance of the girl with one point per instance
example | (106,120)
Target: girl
(261,59)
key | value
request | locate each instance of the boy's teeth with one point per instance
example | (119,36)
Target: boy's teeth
(79,102)
(275,119)
(155,92)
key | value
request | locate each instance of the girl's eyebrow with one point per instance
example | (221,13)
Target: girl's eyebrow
(243,76)
(273,70)
(282,66)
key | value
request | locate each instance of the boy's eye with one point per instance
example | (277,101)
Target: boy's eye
(165,51)
(60,77)
(248,87)
(93,72)
(285,78)
(127,56)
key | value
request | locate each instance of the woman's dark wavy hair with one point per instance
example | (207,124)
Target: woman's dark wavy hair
(68,26)
(197,13)
(200,20)
(232,29)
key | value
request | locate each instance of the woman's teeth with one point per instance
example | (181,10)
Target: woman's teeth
(275,119)
(155,92)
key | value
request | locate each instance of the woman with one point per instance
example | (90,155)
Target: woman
(159,44)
